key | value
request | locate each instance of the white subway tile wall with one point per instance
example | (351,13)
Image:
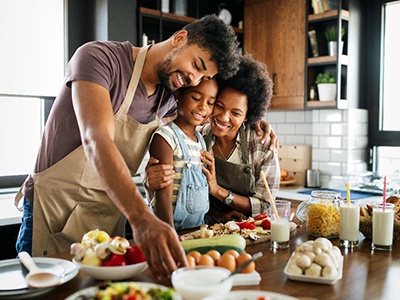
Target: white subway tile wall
(339,139)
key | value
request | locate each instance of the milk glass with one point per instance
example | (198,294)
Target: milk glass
(382,226)
(349,223)
(280,229)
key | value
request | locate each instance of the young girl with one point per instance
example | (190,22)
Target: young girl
(184,203)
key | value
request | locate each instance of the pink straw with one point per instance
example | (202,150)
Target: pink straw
(384,193)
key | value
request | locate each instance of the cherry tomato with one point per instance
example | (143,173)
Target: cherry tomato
(114,260)
(134,255)
(266,224)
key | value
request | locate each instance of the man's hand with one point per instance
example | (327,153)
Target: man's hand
(157,175)
(160,245)
(264,129)
(208,159)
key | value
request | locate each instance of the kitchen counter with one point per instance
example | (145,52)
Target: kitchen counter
(9,214)
(292,193)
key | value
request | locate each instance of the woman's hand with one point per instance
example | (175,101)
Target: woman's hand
(264,129)
(157,175)
(208,159)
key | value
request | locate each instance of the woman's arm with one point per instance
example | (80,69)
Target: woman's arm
(162,151)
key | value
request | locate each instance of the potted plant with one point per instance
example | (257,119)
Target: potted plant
(331,35)
(326,84)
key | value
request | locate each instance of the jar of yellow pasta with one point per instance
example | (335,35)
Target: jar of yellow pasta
(321,213)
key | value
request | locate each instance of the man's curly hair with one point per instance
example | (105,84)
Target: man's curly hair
(253,80)
(211,33)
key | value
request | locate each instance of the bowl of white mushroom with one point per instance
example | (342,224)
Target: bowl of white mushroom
(316,261)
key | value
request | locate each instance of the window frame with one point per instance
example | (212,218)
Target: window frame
(373,41)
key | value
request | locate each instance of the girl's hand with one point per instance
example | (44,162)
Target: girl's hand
(208,159)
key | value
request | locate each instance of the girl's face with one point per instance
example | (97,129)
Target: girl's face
(230,111)
(195,104)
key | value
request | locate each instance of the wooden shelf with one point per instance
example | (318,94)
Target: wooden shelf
(320,60)
(342,104)
(173,17)
(331,14)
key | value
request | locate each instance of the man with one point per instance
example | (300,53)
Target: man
(97,134)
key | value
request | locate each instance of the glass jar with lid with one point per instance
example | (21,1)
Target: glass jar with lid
(321,213)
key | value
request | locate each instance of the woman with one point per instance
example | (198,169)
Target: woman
(236,156)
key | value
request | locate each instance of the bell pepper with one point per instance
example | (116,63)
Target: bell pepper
(261,216)
(246,225)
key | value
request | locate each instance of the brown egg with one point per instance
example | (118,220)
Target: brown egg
(227,261)
(232,252)
(196,255)
(191,261)
(215,255)
(243,257)
(206,260)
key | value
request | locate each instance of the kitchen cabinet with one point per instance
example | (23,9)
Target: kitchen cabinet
(274,33)
(158,24)
(337,17)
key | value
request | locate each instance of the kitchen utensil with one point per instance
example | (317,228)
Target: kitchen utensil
(244,265)
(312,178)
(37,278)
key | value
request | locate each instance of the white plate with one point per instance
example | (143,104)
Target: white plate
(92,291)
(113,273)
(12,276)
(313,279)
(251,295)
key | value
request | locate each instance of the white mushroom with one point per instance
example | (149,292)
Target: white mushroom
(119,245)
(329,272)
(323,259)
(78,251)
(303,261)
(311,255)
(294,269)
(314,270)
(323,243)
(317,250)
(334,259)
(337,252)
(302,248)
(103,250)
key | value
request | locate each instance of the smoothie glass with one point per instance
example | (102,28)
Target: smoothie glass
(382,226)
(280,229)
(349,223)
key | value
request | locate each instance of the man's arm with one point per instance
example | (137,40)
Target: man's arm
(95,117)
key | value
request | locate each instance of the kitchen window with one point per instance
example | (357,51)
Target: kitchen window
(32,70)
(383,65)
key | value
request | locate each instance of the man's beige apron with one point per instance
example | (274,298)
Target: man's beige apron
(69,199)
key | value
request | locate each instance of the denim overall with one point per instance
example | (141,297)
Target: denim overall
(192,201)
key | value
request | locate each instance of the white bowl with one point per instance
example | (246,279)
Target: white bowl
(113,273)
(194,283)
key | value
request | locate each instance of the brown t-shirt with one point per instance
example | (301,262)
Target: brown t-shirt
(109,64)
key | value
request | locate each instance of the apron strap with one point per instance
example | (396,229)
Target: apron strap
(137,70)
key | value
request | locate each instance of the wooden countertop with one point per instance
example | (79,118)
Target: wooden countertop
(366,274)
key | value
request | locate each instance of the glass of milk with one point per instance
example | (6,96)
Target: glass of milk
(280,229)
(349,223)
(382,226)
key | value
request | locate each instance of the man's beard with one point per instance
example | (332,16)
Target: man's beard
(164,76)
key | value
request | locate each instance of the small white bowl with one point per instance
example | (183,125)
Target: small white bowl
(195,283)
(113,273)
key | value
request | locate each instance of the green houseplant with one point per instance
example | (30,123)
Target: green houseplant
(331,35)
(326,84)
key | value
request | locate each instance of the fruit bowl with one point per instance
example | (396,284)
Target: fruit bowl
(112,273)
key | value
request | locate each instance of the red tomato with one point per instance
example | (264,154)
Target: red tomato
(266,224)
(114,260)
(134,255)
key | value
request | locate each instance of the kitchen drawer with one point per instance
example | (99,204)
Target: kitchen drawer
(294,165)
(295,151)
